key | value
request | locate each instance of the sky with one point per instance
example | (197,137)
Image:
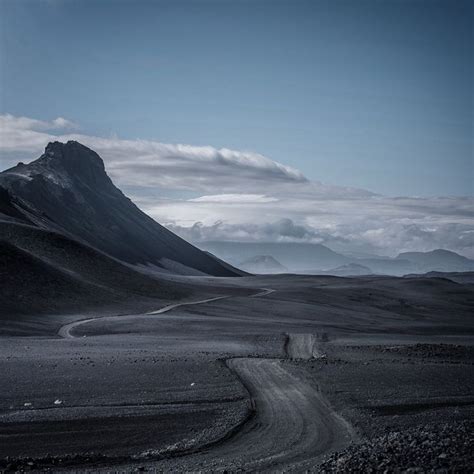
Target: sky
(351,120)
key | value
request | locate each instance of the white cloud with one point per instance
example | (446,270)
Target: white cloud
(371,224)
(61,123)
(247,196)
(390,238)
(235,198)
(152,163)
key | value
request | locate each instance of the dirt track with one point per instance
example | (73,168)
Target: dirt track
(292,422)
(293,426)
(65,331)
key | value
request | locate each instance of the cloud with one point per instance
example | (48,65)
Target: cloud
(373,224)
(223,194)
(151,163)
(235,198)
(283,230)
(387,239)
(10,123)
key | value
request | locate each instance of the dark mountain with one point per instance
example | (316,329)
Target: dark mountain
(262,264)
(438,260)
(297,257)
(44,272)
(68,191)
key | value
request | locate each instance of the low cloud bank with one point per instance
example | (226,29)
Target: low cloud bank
(388,239)
(246,196)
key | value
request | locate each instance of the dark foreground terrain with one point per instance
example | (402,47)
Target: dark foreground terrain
(269,373)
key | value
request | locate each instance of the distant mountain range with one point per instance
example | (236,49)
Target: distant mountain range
(351,269)
(262,264)
(67,190)
(296,257)
(438,260)
(317,258)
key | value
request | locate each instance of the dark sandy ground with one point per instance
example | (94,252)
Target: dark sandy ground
(323,373)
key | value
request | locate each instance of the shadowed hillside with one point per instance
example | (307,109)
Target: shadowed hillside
(68,190)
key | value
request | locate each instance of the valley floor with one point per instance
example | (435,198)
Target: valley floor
(295,373)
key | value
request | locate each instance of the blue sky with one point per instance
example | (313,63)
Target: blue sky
(371,94)
(342,122)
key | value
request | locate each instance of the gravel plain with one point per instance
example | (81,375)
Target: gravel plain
(322,373)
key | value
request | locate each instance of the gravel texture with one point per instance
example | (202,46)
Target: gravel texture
(430,448)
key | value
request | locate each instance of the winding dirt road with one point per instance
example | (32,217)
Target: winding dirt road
(293,426)
(65,331)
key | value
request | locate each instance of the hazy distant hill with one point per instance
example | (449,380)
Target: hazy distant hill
(438,260)
(67,190)
(296,257)
(316,258)
(388,266)
(350,269)
(262,264)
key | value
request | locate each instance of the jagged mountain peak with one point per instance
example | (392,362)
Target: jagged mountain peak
(70,149)
(67,190)
(74,158)
(64,165)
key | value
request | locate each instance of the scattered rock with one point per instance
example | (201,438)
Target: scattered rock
(429,448)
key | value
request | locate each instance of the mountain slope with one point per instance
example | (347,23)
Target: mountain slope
(46,273)
(68,190)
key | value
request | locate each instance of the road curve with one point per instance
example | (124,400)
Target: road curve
(294,423)
(264,292)
(293,426)
(177,305)
(65,331)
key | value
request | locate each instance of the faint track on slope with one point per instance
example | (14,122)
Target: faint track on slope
(65,331)
(264,292)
